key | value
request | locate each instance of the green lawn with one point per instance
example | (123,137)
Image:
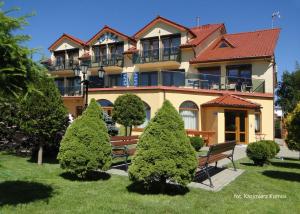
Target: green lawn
(28,188)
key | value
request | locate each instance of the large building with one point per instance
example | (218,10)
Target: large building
(219,82)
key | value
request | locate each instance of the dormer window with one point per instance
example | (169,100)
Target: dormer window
(223,45)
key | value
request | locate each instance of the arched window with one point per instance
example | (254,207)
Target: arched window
(189,112)
(148,115)
(106,105)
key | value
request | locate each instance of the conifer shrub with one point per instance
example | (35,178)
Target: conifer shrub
(85,146)
(262,151)
(197,143)
(164,152)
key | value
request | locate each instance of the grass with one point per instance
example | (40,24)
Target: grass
(28,188)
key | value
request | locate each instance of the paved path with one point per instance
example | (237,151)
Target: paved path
(285,152)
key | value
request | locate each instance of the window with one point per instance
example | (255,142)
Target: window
(99,54)
(150,49)
(114,80)
(96,82)
(173,78)
(211,77)
(240,75)
(170,46)
(148,78)
(189,112)
(106,105)
(148,115)
(59,82)
(223,45)
(257,122)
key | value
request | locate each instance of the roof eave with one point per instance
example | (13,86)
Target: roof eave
(230,59)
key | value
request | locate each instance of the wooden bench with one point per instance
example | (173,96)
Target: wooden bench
(121,146)
(214,154)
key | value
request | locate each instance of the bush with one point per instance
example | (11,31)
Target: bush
(293,128)
(164,152)
(85,146)
(197,143)
(129,111)
(260,152)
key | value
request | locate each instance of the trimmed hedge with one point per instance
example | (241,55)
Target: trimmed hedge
(85,146)
(164,152)
(197,143)
(260,152)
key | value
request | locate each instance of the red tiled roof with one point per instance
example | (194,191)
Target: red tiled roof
(202,32)
(164,20)
(131,50)
(68,37)
(231,101)
(86,55)
(106,28)
(243,45)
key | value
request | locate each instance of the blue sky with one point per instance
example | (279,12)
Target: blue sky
(84,18)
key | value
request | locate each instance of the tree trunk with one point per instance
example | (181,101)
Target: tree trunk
(125,130)
(40,155)
(130,130)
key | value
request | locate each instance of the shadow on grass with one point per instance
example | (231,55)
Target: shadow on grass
(169,189)
(20,192)
(286,164)
(248,164)
(91,176)
(49,160)
(288,176)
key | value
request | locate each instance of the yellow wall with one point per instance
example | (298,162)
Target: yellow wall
(71,103)
(210,118)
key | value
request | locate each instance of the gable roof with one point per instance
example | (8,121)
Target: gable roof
(106,28)
(164,20)
(244,45)
(67,37)
(202,32)
(230,100)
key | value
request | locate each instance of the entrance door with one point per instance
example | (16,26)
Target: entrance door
(236,126)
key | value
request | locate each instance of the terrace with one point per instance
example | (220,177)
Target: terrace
(181,79)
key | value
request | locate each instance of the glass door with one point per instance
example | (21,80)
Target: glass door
(236,126)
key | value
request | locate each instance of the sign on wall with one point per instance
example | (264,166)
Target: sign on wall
(125,81)
(135,78)
(108,36)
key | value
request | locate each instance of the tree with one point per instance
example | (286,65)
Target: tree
(164,151)
(293,128)
(288,92)
(85,146)
(110,125)
(129,111)
(42,113)
(15,64)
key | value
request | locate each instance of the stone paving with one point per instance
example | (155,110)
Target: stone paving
(220,176)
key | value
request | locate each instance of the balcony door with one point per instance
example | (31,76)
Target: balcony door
(150,51)
(236,126)
(170,47)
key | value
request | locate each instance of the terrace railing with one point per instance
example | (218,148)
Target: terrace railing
(188,80)
(68,64)
(157,55)
(70,90)
(108,60)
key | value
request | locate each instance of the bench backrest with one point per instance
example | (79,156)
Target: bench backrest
(221,147)
(124,140)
